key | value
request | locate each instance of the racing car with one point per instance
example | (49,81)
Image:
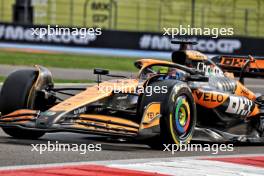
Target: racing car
(168,102)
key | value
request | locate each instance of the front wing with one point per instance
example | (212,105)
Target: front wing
(82,123)
(95,124)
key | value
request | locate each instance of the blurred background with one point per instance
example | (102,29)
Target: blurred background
(131,29)
(245,16)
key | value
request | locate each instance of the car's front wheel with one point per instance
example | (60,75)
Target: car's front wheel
(177,125)
(15,95)
(178,110)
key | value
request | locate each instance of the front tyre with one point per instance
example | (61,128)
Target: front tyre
(179,117)
(178,110)
(15,94)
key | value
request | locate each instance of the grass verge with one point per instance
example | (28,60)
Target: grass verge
(2,79)
(67,61)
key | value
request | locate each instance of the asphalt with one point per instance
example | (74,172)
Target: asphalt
(14,152)
(19,152)
(63,73)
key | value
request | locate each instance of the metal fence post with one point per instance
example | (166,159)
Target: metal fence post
(258,17)
(193,14)
(246,22)
(202,17)
(71,12)
(49,12)
(110,13)
(138,14)
(25,20)
(160,15)
(2,10)
(85,12)
(115,14)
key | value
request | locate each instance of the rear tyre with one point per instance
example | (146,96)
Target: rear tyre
(14,95)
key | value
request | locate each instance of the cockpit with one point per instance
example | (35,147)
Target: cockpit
(163,72)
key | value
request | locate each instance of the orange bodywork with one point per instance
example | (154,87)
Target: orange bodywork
(241,90)
(19,117)
(108,119)
(255,112)
(209,99)
(21,111)
(94,93)
(151,114)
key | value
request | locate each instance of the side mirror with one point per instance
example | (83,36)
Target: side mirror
(99,71)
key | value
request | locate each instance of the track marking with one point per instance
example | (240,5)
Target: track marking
(196,167)
(82,170)
(180,166)
(257,161)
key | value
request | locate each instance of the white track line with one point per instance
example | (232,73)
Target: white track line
(187,167)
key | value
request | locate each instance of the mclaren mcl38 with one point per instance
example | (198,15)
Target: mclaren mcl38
(168,102)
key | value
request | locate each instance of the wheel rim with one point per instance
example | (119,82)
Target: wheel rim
(182,116)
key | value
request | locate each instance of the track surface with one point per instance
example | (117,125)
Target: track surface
(15,152)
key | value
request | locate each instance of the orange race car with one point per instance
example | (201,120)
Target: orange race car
(167,103)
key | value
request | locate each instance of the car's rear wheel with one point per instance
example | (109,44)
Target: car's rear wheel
(14,95)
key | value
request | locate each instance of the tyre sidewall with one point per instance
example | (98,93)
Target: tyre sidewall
(15,94)
(168,130)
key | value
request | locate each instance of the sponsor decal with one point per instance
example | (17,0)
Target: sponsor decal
(151,115)
(239,105)
(20,33)
(209,97)
(80,110)
(235,62)
(209,69)
(152,111)
(244,91)
(156,42)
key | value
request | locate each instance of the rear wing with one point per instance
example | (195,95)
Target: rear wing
(235,64)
